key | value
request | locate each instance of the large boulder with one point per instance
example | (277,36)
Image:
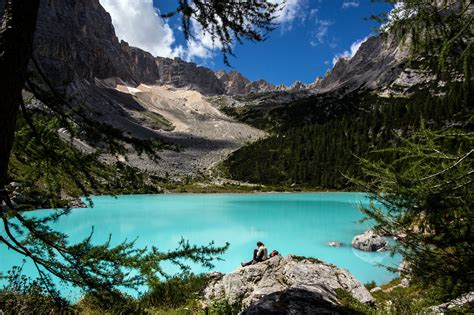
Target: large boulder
(370,241)
(285,285)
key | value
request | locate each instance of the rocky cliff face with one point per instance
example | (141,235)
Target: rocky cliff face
(377,63)
(236,84)
(76,40)
(182,74)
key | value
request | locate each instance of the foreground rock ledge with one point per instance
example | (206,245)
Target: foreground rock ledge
(285,285)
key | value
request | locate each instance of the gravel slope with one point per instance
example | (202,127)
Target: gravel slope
(203,134)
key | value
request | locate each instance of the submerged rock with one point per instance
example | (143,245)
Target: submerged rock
(370,242)
(335,244)
(285,285)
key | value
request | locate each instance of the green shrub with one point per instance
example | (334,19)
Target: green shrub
(109,302)
(350,304)
(175,292)
(22,295)
(370,285)
(223,307)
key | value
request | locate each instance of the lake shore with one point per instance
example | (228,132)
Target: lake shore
(206,188)
(209,188)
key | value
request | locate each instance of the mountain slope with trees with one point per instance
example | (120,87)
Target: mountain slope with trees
(317,141)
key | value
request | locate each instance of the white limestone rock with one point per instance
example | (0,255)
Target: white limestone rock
(370,242)
(452,305)
(293,284)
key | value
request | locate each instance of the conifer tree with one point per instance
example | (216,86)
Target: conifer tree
(427,189)
(103,266)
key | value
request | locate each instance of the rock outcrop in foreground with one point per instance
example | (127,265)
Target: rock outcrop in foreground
(370,242)
(464,300)
(285,285)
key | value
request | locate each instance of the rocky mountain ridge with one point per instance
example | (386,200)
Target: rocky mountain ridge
(75,40)
(95,52)
(378,62)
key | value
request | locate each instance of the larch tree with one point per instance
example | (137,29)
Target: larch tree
(427,190)
(96,267)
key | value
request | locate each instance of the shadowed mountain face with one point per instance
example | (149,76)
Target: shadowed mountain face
(76,40)
(182,74)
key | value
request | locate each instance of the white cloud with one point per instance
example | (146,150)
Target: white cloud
(321,32)
(201,45)
(397,14)
(291,10)
(348,54)
(333,43)
(350,4)
(139,23)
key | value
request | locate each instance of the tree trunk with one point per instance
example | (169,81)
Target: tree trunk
(16,46)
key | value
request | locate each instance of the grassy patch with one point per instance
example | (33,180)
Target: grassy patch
(348,302)
(402,300)
(158,121)
(200,187)
(370,285)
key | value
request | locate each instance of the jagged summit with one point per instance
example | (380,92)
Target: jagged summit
(78,42)
(377,63)
(182,74)
(235,83)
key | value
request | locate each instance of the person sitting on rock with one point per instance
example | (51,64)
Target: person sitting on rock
(259,254)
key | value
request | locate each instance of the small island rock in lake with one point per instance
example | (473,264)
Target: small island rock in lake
(370,241)
(286,285)
(335,244)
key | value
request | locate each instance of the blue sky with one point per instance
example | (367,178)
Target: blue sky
(311,34)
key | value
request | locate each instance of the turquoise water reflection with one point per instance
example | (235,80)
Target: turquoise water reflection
(300,224)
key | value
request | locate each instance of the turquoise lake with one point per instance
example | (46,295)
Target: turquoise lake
(296,223)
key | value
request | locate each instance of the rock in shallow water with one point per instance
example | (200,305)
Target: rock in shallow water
(370,242)
(285,285)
